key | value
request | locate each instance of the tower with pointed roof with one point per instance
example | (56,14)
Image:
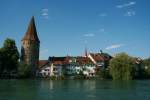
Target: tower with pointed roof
(30,47)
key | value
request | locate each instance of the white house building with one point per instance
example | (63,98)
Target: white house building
(71,66)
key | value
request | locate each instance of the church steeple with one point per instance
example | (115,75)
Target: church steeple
(86,52)
(31,33)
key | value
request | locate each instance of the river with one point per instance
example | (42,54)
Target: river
(74,90)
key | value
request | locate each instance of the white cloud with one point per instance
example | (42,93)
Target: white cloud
(126,5)
(101,30)
(44,13)
(89,35)
(130,13)
(103,15)
(45,10)
(114,46)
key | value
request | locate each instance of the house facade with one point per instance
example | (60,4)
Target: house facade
(72,66)
(44,69)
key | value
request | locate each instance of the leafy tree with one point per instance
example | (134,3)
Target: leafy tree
(1,61)
(147,66)
(9,56)
(103,73)
(24,70)
(146,61)
(139,69)
(122,67)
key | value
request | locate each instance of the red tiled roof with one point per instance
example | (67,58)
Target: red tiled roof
(83,60)
(59,60)
(66,60)
(42,63)
(79,60)
(100,57)
(31,33)
(97,57)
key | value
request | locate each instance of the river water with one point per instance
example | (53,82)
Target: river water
(74,90)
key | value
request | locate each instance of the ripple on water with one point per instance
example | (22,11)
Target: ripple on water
(74,90)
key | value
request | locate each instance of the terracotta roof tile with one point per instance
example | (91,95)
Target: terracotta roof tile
(42,63)
(100,57)
(31,33)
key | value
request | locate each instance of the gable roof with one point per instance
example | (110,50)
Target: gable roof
(58,60)
(100,57)
(68,60)
(42,63)
(83,60)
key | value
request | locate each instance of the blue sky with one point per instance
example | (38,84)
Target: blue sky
(66,27)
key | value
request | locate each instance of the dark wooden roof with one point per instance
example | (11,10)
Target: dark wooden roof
(31,33)
(43,63)
(83,60)
(66,60)
(59,60)
(98,57)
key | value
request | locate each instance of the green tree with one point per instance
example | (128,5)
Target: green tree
(9,56)
(122,67)
(24,70)
(147,66)
(1,60)
(139,69)
(103,73)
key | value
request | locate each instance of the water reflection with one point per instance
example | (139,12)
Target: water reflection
(69,84)
(51,85)
(74,90)
(90,89)
(124,85)
(87,85)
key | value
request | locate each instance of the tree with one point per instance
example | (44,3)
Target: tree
(147,66)
(9,56)
(139,69)
(24,70)
(122,67)
(1,60)
(103,73)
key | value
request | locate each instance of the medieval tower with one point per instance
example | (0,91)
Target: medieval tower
(30,47)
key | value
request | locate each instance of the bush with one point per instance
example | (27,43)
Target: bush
(104,74)
(57,77)
(24,71)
